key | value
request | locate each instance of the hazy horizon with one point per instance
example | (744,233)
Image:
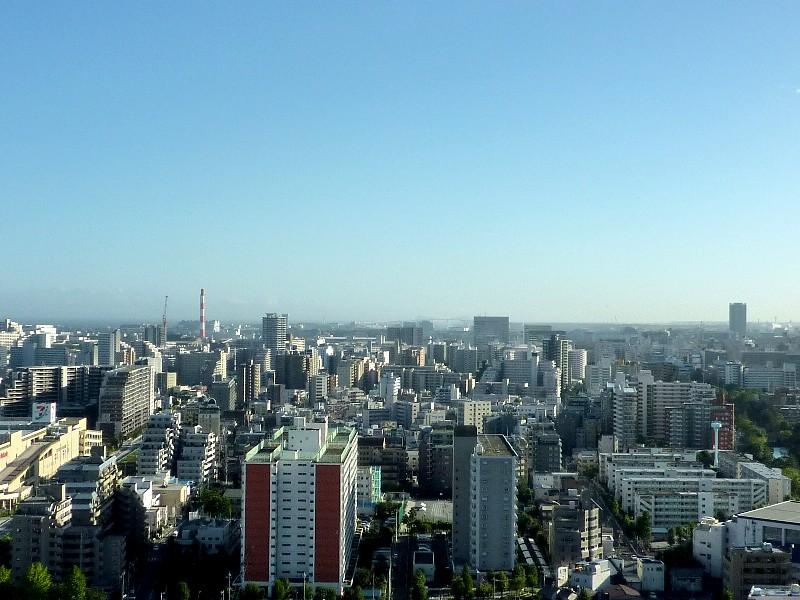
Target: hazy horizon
(555,162)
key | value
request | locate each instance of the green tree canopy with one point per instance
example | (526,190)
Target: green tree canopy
(251,592)
(37,582)
(281,590)
(75,585)
(419,591)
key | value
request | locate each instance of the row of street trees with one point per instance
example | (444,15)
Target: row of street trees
(38,584)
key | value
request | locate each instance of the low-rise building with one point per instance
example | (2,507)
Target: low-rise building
(762,565)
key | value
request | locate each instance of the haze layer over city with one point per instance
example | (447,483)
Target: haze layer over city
(399,301)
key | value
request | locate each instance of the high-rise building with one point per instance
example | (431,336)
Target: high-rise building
(126,401)
(487,330)
(159,444)
(436,459)
(484,500)
(737,319)
(248,380)
(273,332)
(577,364)
(299,515)
(108,344)
(198,454)
(155,335)
(201,368)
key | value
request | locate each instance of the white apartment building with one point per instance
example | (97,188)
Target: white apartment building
(158,446)
(299,511)
(709,544)
(669,501)
(577,364)
(198,455)
(474,412)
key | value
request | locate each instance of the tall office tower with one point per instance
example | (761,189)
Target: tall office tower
(562,361)
(248,380)
(407,334)
(108,344)
(155,335)
(535,334)
(299,506)
(201,368)
(487,330)
(273,332)
(484,500)
(224,391)
(126,401)
(545,448)
(474,413)
(737,319)
(626,412)
(159,441)
(577,364)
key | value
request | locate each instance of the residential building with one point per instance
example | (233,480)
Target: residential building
(574,533)
(273,332)
(484,500)
(474,413)
(576,358)
(198,452)
(762,565)
(158,451)
(299,514)
(436,460)
(126,401)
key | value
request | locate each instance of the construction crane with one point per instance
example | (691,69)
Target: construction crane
(164,320)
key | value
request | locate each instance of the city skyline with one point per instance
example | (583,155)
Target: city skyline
(595,163)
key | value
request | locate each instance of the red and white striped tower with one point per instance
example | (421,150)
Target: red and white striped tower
(202,313)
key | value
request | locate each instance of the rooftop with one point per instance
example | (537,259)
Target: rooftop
(495,445)
(787,512)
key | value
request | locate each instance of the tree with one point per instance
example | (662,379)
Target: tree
(727,595)
(469,585)
(37,582)
(96,594)
(182,591)
(501,581)
(642,526)
(518,579)
(251,592)
(705,457)
(5,551)
(484,590)
(671,536)
(6,584)
(420,589)
(214,504)
(532,576)
(281,590)
(585,595)
(457,589)
(75,585)
(353,593)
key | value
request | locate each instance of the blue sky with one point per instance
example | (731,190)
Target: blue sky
(561,161)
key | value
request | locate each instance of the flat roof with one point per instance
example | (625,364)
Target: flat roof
(496,445)
(787,512)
